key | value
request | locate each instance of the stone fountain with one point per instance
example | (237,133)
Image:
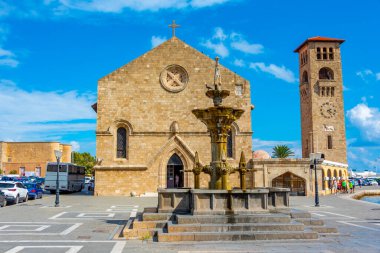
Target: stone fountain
(218,120)
(219,198)
(219,212)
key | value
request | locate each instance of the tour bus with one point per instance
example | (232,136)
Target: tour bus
(71,177)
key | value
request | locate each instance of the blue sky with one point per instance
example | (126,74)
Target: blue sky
(52,52)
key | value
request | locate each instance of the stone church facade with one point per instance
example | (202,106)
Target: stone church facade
(146,135)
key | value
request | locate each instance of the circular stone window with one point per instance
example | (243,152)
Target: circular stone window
(174,78)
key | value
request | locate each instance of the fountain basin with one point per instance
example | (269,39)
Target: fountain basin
(220,202)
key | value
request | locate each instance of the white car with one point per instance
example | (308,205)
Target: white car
(14,191)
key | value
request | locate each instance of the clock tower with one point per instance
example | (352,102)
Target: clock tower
(321,97)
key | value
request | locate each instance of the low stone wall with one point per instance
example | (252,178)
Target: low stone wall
(278,197)
(204,201)
(226,202)
(174,201)
(361,194)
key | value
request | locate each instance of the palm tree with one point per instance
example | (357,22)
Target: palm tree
(282,151)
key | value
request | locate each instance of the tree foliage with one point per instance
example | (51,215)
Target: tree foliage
(85,159)
(282,151)
(13,172)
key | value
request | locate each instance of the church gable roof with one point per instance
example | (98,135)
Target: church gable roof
(171,44)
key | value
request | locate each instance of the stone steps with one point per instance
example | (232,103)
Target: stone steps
(323,230)
(241,227)
(149,224)
(236,236)
(311,222)
(300,215)
(231,219)
(157,216)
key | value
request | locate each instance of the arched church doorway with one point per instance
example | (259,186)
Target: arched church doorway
(175,172)
(296,184)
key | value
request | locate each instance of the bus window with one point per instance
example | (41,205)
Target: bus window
(53,168)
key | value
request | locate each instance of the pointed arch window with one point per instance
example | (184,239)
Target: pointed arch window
(230,146)
(121,143)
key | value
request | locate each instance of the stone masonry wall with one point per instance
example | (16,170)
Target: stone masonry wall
(133,97)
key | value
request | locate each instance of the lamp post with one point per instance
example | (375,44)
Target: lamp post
(314,157)
(58,155)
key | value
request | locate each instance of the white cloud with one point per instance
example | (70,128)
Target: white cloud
(9,62)
(206,3)
(279,72)
(219,48)
(4,52)
(247,48)
(239,63)
(268,146)
(118,6)
(367,119)
(7,58)
(368,74)
(219,34)
(36,115)
(75,145)
(220,39)
(157,40)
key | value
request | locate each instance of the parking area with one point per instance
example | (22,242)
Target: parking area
(85,223)
(82,223)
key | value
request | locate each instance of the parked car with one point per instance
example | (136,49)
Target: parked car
(87,180)
(366,182)
(40,181)
(9,178)
(14,191)
(3,199)
(34,190)
(91,185)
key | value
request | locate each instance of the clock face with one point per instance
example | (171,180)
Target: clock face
(328,110)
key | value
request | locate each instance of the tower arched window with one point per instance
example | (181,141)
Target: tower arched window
(230,144)
(121,143)
(326,74)
(305,77)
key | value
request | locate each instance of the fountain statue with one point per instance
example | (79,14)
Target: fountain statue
(218,120)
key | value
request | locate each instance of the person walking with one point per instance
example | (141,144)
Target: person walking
(340,185)
(344,185)
(335,187)
(350,185)
(331,186)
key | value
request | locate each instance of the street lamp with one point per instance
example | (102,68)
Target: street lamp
(58,155)
(314,157)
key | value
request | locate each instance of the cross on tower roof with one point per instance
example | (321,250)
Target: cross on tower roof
(174,26)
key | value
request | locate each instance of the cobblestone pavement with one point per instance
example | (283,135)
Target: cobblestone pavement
(84,223)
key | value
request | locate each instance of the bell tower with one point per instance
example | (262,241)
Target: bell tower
(321,98)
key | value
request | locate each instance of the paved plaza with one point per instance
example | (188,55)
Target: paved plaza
(84,223)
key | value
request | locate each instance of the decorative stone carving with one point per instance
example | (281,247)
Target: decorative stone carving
(174,78)
(174,128)
(328,128)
